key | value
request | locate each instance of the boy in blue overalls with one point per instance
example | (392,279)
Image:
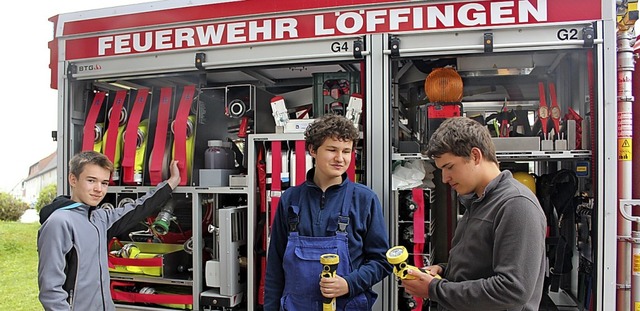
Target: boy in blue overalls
(327,214)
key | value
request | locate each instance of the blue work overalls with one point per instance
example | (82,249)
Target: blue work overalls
(302,266)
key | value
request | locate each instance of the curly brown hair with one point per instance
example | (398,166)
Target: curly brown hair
(458,136)
(80,160)
(330,125)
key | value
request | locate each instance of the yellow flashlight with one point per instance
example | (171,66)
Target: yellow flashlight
(397,256)
(329,266)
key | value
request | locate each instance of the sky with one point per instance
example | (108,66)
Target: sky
(28,113)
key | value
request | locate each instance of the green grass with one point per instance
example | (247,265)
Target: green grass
(19,266)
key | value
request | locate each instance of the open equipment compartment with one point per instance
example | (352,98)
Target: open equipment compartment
(215,71)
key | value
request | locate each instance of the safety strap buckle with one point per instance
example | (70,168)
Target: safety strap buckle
(293,218)
(343,222)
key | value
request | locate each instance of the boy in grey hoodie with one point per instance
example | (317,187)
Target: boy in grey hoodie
(497,255)
(72,241)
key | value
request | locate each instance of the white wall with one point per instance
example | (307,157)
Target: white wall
(33,186)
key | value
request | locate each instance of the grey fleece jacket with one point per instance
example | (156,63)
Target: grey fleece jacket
(497,257)
(72,248)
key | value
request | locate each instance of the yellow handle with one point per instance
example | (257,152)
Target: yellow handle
(402,272)
(329,306)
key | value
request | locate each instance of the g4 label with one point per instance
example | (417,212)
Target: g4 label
(337,47)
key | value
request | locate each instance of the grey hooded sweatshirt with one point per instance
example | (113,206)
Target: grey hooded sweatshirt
(72,248)
(497,257)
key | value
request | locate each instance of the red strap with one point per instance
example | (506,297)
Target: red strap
(418,225)
(110,247)
(592,107)
(418,252)
(244,126)
(262,178)
(180,299)
(351,170)
(180,131)
(131,136)
(418,234)
(263,267)
(301,162)
(160,139)
(142,262)
(114,123)
(121,295)
(262,185)
(419,303)
(90,123)
(276,170)
(152,298)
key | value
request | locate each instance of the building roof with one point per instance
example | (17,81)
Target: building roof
(43,166)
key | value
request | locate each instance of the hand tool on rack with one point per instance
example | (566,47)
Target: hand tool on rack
(506,117)
(501,122)
(543,117)
(543,110)
(504,121)
(555,109)
(560,140)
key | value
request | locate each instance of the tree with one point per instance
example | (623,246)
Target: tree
(11,208)
(47,194)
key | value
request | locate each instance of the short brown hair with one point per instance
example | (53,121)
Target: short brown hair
(458,136)
(330,126)
(80,160)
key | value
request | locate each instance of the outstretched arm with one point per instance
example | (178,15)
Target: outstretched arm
(151,204)
(174,179)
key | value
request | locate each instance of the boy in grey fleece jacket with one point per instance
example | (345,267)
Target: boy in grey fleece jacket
(72,241)
(497,257)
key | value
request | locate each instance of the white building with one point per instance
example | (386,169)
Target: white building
(41,175)
(18,190)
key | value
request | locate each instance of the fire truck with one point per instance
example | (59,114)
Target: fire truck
(228,87)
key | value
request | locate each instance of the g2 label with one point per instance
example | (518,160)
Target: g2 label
(567,34)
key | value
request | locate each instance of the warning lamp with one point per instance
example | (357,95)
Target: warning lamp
(443,85)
